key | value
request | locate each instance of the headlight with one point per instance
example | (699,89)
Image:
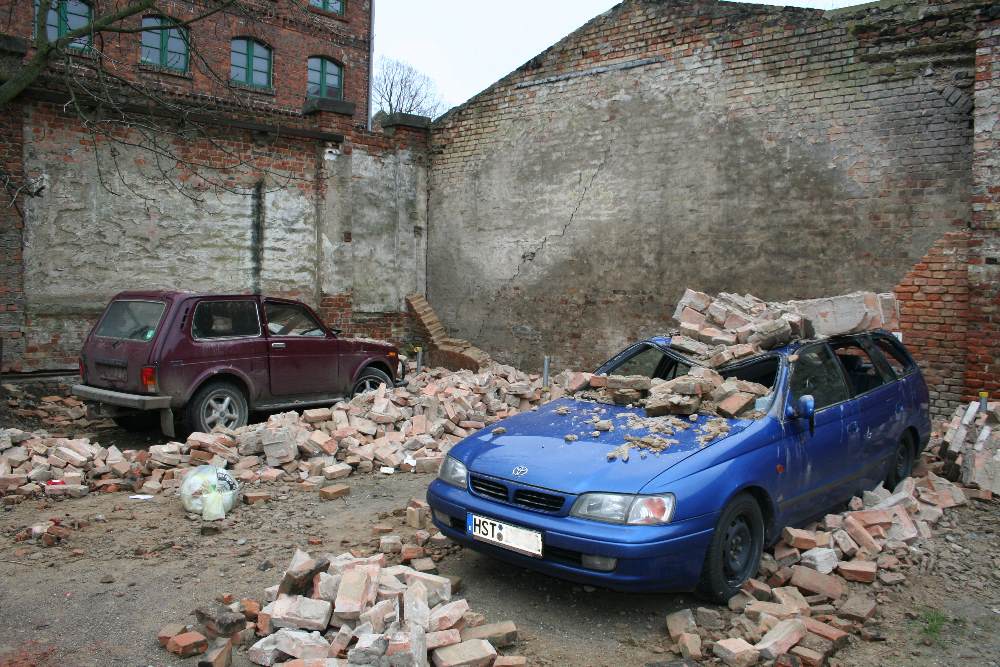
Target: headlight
(619,508)
(454,472)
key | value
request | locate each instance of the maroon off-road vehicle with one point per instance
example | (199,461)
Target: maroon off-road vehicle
(210,359)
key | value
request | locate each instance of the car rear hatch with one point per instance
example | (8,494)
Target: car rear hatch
(121,344)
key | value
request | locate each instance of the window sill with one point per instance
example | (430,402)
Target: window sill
(260,90)
(169,71)
(316,104)
(332,15)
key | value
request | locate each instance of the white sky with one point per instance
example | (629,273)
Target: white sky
(466,45)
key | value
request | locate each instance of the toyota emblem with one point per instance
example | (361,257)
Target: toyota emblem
(520,471)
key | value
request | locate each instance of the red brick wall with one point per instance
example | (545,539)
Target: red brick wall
(337,311)
(934,307)
(11,241)
(982,365)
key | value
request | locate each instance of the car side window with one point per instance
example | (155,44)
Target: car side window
(862,373)
(817,372)
(893,354)
(289,319)
(225,319)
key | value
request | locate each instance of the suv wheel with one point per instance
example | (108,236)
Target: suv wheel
(370,380)
(735,550)
(217,403)
(901,464)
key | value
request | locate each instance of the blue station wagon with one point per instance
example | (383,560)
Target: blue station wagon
(843,415)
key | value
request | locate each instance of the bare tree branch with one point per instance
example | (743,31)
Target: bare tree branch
(399,88)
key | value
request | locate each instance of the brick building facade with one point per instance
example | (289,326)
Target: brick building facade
(297,197)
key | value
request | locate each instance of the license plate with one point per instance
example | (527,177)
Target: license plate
(515,538)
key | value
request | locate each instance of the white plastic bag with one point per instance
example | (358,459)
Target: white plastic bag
(210,491)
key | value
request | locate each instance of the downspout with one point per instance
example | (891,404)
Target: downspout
(371,57)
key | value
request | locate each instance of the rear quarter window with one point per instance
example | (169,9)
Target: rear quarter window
(131,320)
(225,319)
(897,359)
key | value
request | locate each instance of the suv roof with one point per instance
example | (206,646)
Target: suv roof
(182,294)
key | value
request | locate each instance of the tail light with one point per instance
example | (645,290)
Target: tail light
(148,378)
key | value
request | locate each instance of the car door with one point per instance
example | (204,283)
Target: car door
(816,460)
(224,333)
(303,356)
(880,415)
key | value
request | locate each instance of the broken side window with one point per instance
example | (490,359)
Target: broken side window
(649,361)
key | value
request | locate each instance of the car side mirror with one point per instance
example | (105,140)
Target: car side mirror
(336,332)
(804,408)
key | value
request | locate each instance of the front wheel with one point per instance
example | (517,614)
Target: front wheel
(370,380)
(735,550)
(219,404)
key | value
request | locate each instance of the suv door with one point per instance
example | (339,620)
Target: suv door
(223,332)
(304,358)
(817,462)
(881,411)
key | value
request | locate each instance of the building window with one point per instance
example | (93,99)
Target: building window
(334,6)
(250,63)
(326,79)
(65,16)
(164,47)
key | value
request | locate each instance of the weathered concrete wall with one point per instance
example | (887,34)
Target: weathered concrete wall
(304,223)
(783,152)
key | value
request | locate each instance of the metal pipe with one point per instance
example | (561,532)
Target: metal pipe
(545,372)
(420,358)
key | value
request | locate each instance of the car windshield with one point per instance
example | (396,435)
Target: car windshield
(131,320)
(753,379)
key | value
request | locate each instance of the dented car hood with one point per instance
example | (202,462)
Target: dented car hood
(537,441)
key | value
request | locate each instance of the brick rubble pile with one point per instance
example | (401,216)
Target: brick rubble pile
(407,428)
(971,446)
(729,326)
(819,585)
(334,611)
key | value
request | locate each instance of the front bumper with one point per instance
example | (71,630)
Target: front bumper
(661,558)
(111,397)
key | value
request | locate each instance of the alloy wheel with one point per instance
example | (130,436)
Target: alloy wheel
(220,410)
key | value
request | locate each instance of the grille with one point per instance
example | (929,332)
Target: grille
(545,502)
(489,488)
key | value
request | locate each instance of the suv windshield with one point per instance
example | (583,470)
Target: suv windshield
(131,320)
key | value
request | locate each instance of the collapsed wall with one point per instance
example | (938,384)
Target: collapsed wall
(786,152)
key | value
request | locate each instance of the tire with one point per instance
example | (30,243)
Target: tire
(901,464)
(735,550)
(369,380)
(218,403)
(138,423)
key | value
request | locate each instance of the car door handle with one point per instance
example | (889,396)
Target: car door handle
(899,408)
(853,427)
(278,346)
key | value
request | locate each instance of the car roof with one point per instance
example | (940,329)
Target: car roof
(178,295)
(784,351)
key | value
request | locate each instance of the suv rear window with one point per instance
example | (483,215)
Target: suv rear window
(225,319)
(131,320)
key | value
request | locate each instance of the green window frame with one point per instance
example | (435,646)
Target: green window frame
(250,63)
(325,78)
(332,6)
(164,47)
(65,16)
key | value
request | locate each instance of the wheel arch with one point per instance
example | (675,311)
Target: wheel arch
(232,377)
(768,509)
(378,364)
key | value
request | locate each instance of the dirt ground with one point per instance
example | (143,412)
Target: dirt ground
(99,598)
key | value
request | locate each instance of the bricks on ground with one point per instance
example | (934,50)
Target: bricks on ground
(348,610)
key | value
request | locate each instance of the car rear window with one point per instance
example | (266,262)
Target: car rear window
(131,320)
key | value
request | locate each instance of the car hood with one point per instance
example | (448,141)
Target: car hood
(536,440)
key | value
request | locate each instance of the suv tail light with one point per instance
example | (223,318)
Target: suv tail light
(148,378)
